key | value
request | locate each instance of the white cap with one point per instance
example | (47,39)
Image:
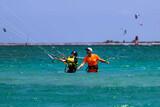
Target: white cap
(89,49)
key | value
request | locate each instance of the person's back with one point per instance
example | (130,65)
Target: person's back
(72,63)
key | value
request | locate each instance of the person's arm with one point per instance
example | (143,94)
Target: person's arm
(61,59)
(103,61)
(82,64)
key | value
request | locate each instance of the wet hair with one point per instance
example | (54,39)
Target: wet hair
(74,53)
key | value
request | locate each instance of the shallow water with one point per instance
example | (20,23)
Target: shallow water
(29,78)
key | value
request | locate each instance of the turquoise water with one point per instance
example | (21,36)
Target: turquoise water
(28,78)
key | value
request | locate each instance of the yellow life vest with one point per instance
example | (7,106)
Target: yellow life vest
(70,59)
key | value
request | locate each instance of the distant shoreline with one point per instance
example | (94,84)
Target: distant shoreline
(81,43)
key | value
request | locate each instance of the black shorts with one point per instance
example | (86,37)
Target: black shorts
(92,68)
(71,69)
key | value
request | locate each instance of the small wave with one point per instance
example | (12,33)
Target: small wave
(86,80)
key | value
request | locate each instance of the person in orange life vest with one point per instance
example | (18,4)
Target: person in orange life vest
(92,61)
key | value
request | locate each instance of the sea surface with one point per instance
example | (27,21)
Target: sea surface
(29,78)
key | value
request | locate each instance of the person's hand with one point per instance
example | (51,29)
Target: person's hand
(107,62)
(78,68)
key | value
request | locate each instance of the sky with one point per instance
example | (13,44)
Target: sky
(78,20)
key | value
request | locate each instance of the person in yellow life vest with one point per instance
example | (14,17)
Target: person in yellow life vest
(92,61)
(71,62)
